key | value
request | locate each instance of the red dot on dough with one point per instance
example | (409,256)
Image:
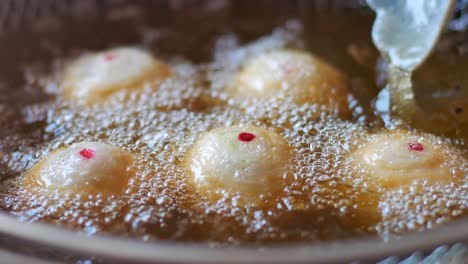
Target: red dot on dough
(87,153)
(415,146)
(109,56)
(246,137)
(288,68)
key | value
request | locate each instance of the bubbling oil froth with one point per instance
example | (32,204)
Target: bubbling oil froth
(325,200)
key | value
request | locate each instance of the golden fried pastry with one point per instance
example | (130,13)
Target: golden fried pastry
(294,74)
(241,160)
(395,159)
(93,77)
(83,168)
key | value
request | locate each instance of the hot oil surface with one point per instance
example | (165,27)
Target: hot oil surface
(326,200)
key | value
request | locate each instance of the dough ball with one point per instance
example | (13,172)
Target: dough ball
(395,159)
(292,74)
(242,160)
(93,77)
(84,168)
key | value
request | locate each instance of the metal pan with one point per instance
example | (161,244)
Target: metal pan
(56,243)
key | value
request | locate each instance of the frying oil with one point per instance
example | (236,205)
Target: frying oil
(327,199)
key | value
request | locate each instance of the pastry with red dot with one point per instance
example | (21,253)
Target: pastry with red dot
(399,158)
(82,168)
(94,77)
(293,74)
(247,161)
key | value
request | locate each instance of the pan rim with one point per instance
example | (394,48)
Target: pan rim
(125,249)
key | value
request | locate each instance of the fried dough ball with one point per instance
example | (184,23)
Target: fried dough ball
(92,78)
(242,160)
(294,74)
(83,168)
(397,161)
(399,158)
